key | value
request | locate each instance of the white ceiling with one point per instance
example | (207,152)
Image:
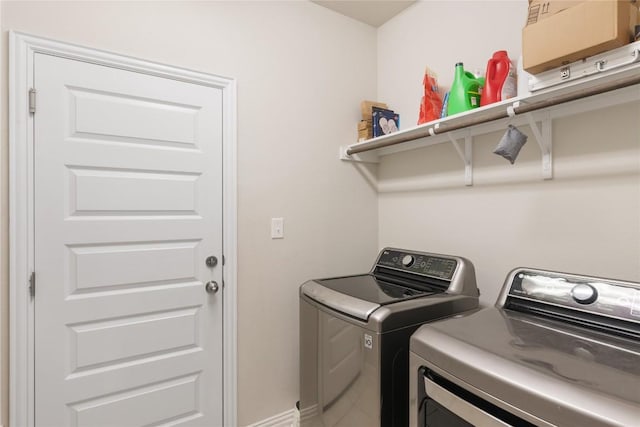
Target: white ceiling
(374,13)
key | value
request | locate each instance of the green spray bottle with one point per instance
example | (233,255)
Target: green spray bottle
(465,91)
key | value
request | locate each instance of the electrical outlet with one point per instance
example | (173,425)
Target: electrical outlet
(277,228)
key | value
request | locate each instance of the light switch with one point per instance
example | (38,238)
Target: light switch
(277,228)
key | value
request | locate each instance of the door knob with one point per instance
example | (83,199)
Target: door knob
(212,287)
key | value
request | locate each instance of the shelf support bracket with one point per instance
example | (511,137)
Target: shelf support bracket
(543,138)
(466,156)
(359,157)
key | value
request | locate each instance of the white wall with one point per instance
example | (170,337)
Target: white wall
(438,34)
(585,220)
(302,71)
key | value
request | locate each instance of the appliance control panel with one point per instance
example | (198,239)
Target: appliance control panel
(588,294)
(418,263)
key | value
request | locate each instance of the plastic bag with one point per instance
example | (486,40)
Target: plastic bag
(511,143)
(431,104)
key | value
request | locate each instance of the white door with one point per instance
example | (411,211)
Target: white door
(128,206)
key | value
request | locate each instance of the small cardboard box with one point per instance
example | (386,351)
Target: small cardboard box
(541,9)
(365,130)
(366,106)
(583,30)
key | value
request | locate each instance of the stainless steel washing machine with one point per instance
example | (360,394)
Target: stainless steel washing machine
(557,350)
(354,335)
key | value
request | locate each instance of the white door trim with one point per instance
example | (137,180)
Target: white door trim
(22,48)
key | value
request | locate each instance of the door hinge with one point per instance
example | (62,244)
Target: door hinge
(32,101)
(32,284)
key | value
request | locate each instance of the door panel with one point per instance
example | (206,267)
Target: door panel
(99,191)
(131,265)
(139,407)
(128,202)
(114,116)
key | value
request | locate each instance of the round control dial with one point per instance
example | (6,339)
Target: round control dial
(407,260)
(584,294)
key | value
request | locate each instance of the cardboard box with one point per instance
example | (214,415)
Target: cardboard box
(365,108)
(583,30)
(541,9)
(365,130)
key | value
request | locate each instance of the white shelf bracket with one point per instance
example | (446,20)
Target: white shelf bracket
(543,138)
(466,156)
(511,112)
(357,158)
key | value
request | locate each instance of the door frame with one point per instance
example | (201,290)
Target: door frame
(22,50)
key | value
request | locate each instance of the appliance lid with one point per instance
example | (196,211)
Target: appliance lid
(346,304)
(359,296)
(564,374)
(369,288)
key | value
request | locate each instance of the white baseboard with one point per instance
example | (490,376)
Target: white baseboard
(290,418)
